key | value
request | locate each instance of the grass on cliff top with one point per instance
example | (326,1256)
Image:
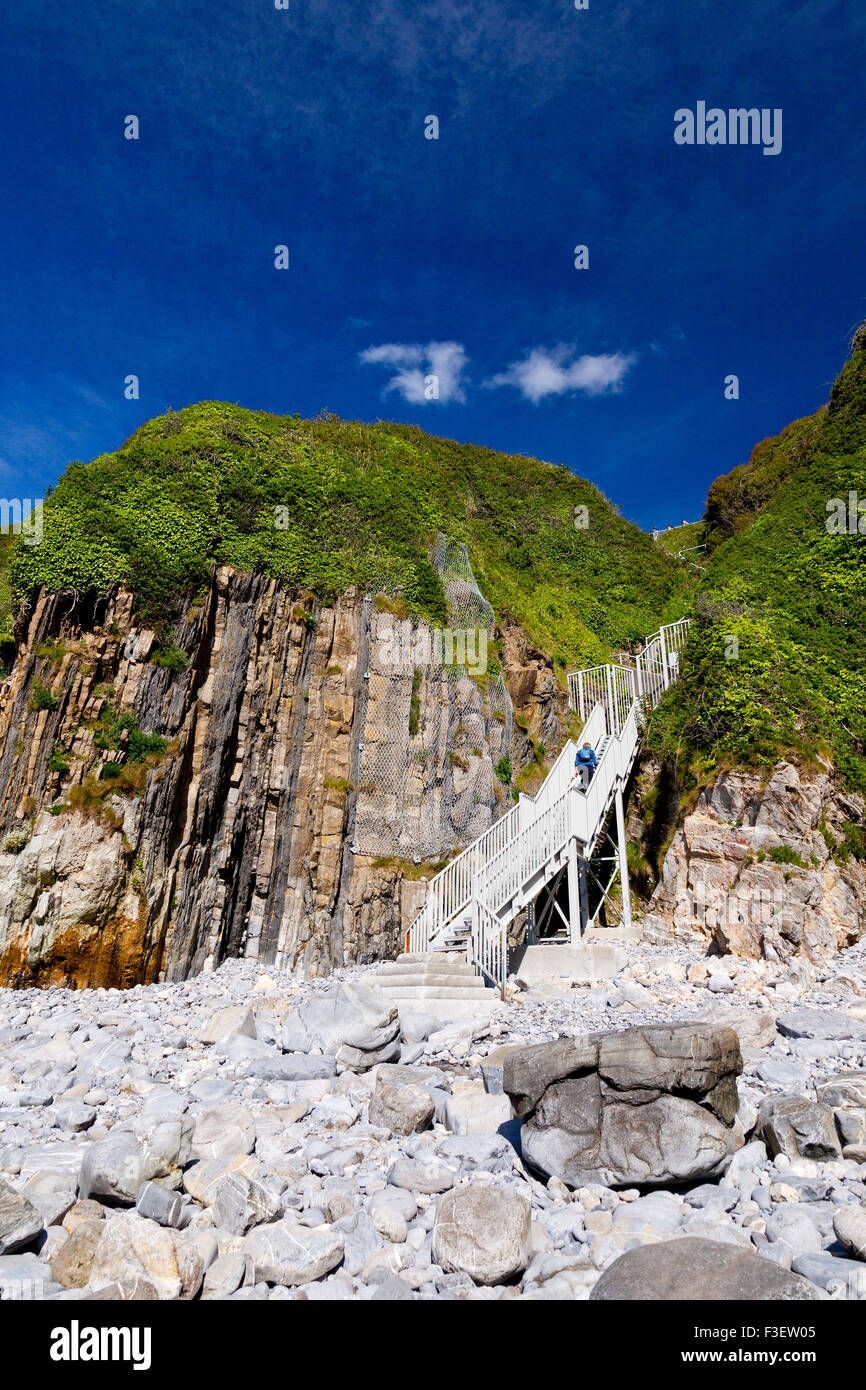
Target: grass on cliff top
(775,662)
(362,504)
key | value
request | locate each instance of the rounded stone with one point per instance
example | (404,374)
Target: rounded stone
(850,1227)
(483,1232)
(703,1270)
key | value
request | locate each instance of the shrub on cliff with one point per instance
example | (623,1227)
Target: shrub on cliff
(775,657)
(15,842)
(41,697)
(322,504)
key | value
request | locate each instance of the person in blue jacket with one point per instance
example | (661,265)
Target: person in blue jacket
(585,763)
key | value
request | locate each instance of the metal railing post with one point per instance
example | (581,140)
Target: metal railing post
(503,960)
(666,675)
(612,717)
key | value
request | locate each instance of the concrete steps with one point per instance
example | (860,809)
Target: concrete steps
(437,983)
(597,959)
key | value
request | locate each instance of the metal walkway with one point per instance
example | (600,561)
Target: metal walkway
(470,904)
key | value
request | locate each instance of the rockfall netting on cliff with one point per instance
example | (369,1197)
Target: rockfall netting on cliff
(442,717)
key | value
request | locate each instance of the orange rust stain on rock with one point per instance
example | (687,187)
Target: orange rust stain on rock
(117,955)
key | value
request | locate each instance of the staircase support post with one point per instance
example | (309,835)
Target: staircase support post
(574,904)
(584,898)
(622,856)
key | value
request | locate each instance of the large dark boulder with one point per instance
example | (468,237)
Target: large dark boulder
(645,1107)
(707,1271)
(701,1062)
(528,1071)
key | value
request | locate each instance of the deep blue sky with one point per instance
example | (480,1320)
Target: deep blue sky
(260,127)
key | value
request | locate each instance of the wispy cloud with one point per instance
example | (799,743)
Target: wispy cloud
(557,372)
(423,373)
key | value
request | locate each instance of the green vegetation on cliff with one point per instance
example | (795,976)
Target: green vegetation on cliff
(775,660)
(322,504)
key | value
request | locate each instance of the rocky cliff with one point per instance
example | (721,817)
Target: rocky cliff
(766,867)
(301,778)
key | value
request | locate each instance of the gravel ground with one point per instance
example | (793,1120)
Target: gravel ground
(138,1159)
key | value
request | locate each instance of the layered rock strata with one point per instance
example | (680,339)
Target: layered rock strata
(297,748)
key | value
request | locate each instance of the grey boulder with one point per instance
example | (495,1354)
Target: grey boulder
(20,1220)
(161,1204)
(703,1270)
(115,1167)
(242,1202)
(292,1066)
(235,1020)
(647,1106)
(223,1131)
(528,1071)
(287,1253)
(133,1248)
(401,1109)
(584,1134)
(849,1225)
(845,1093)
(484,1232)
(791,1223)
(352,1022)
(825,1025)
(798,1127)
(227,1274)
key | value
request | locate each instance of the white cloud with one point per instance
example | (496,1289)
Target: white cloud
(416,363)
(557,372)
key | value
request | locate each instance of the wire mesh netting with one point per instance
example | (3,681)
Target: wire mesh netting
(438,723)
(468,611)
(467,606)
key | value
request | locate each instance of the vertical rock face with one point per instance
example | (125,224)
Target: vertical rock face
(761,868)
(532,684)
(303,767)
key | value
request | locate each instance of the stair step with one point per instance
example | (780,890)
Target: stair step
(456,986)
(418,957)
(451,969)
(419,961)
(456,972)
(418,993)
(448,1010)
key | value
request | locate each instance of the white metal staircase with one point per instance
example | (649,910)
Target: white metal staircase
(471,902)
